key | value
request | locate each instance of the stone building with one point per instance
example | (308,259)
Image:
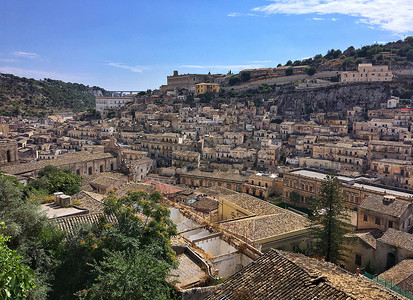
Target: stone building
(367,73)
(161,146)
(263,185)
(307,184)
(384,212)
(209,178)
(103,103)
(8,152)
(392,248)
(4,129)
(84,163)
(188,159)
(203,88)
(393,172)
(360,250)
(350,156)
(137,170)
(388,149)
(187,81)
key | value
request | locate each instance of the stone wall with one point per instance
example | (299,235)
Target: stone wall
(8,152)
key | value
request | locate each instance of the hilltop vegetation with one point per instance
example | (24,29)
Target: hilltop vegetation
(30,97)
(397,54)
(400,53)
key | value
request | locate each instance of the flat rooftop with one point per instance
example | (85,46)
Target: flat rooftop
(345,179)
(55,211)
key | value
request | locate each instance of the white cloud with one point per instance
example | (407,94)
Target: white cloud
(223,67)
(236,14)
(395,16)
(40,74)
(25,54)
(135,69)
(318,19)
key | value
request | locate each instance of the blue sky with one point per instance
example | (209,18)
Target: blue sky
(135,44)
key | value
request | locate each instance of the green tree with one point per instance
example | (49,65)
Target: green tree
(289,71)
(16,279)
(32,236)
(294,197)
(53,179)
(245,76)
(310,71)
(128,251)
(234,80)
(329,216)
(131,275)
(409,55)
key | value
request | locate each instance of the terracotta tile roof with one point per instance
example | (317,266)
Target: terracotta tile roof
(90,201)
(283,275)
(164,188)
(205,204)
(398,238)
(60,161)
(133,187)
(378,204)
(368,237)
(401,275)
(252,204)
(218,175)
(70,224)
(262,227)
(106,181)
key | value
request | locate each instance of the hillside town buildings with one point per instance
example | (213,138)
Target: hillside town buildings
(226,162)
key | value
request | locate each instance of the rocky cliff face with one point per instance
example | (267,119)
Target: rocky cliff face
(337,98)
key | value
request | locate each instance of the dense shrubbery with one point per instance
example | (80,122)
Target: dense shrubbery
(127,255)
(33,238)
(351,56)
(52,179)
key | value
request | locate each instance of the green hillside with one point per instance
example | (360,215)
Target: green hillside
(30,97)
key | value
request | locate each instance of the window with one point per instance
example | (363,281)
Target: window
(377,221)
(358,259)
(390,224)
(365,218)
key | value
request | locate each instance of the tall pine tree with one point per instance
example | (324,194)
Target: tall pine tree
(330,220)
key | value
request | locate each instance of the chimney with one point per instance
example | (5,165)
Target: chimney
(57,197)
(388,199)
(65,200)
